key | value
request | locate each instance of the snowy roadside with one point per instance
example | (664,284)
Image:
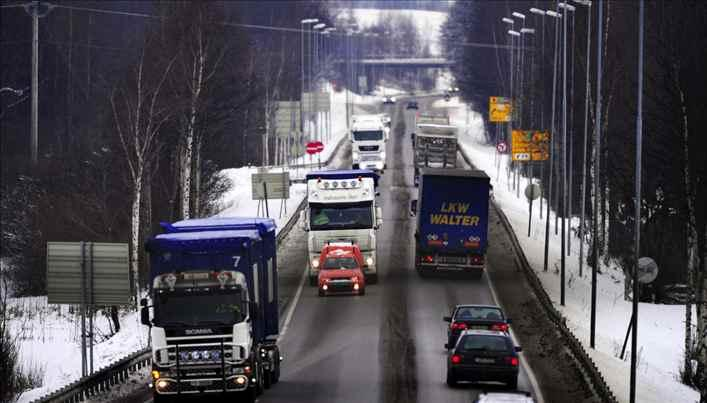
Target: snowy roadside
(48,336)
(661,327)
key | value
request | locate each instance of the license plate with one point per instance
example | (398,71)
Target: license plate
(340,281)
(479,327)
(485,360)
(202,383)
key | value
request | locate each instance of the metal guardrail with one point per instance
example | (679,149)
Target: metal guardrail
(588,367)
(118,372)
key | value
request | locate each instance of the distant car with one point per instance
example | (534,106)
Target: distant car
(504,397)
(340,269)
(464,317)
(389,101)
(447,97)
(412,105)
(482,356)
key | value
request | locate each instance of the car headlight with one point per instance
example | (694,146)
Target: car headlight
(369,261)
(315,263)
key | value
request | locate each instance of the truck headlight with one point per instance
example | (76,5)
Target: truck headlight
(383,155)
(354,156)
(315,263)
(369,261)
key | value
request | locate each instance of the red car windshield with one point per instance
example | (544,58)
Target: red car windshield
(334,263)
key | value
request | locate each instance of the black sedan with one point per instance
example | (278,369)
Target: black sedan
(487,317)
(411,105)
(482,356)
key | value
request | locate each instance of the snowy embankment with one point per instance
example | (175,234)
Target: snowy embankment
(660,327)
(48,336)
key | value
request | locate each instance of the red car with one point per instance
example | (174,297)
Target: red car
(340,270)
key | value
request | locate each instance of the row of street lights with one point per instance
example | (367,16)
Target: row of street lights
(564,11)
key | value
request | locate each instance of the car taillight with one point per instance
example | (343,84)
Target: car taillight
(429,258)
(458,326)
(513,361)
(456,359)
(501,327)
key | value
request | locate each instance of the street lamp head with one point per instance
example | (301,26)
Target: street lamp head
(587,3)
(553,14)
(537,11)
(566,6)
(527,31)
(513,33)
(518,15)
(507,20)
(319,26)
(309,21)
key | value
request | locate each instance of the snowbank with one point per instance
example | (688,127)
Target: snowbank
(660,328)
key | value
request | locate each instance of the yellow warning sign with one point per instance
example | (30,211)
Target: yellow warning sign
(530,145)
(499,109)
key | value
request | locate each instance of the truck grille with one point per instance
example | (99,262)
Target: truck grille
(368,148)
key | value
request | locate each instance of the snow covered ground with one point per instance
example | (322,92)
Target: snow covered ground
(49,335)
(660,328)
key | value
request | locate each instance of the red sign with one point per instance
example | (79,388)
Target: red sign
(314,147)
(501,147)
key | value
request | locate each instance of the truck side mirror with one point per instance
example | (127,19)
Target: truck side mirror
(413,208)
(145,316)
(447,318)
(303,221)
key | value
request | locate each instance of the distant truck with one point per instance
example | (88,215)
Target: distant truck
(435,147)
(452,221)
(215,323)
(341,206)
(369,135)
(422,118)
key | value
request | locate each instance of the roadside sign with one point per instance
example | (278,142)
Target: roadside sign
(88,273)
(532,191)
(500,109)
(275,184)
(501,147)
(530,145)
(315,102)
(647,270)
(287,118)
(314,147)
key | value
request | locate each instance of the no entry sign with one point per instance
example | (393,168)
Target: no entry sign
(314,147)
(501,147)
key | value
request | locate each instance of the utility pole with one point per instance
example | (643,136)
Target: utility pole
(597,181)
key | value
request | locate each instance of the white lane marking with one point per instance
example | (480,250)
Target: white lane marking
(531,376)
(293,305)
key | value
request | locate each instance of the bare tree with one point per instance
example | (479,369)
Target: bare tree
(138,116)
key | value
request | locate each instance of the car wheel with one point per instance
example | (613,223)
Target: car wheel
(513,383)
(321,293)
(276,372)
(451,379)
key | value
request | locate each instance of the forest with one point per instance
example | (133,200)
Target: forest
(673,227)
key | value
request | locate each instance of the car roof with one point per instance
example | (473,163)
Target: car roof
(505,397)
(476,306)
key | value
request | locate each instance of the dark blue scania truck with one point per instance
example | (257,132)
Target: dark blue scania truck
(214,322)
(452,220)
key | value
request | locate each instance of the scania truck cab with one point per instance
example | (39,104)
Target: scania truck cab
(341,206)
(214,322)
(368,137)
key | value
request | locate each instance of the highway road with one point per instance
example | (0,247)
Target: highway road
(385,346)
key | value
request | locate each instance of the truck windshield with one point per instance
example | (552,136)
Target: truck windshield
(341,216)
(368,135)
(198,308)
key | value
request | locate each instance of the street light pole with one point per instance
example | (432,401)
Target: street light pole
(568,166)
(583,201)
(597,186)
(302,68)
(543,127)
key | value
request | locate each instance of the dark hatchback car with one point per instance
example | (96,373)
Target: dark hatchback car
(484,317)
(411,105)
(483,356)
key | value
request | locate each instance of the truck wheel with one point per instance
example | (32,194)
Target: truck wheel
(373,278)
(156,398)
(513,383)
(248,396)
(267,379)
(313,281)
(259,382)
(354,166)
